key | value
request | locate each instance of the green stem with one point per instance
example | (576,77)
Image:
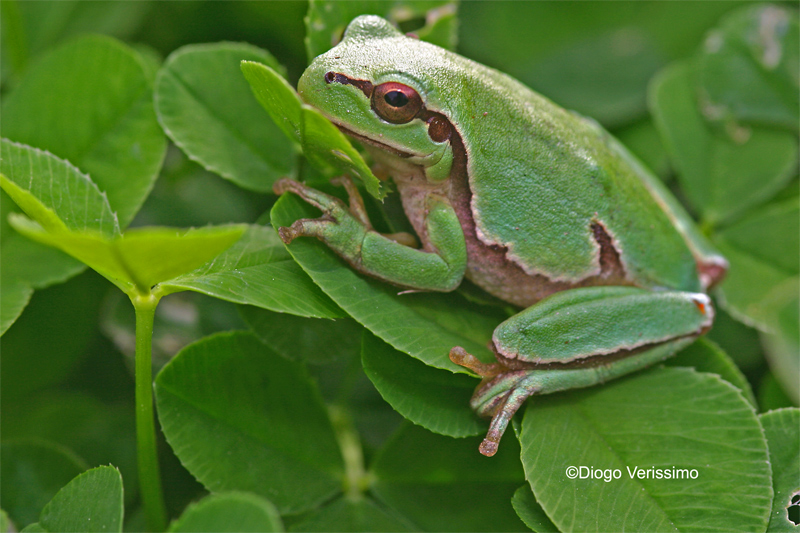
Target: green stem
(356,480)
(149,475)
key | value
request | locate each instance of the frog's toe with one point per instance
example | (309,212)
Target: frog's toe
(305,227)
(461,357)
(508,406)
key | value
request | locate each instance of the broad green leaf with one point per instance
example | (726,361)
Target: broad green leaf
(782,342)
(769,235)
(228,511)
(16,295)
(27,265)
(782,429)
(257,270)
(276,96)
(444,484)
(101,120)
(44,24)
(433,21)
(31,473)
(240,417)
(425,326)
(305,339)
(430,397)
(207,108)
(695,427)
(323,144)
(763,251)
(350,514)
(99,432)
(53,192)
(738,340)
(749,67)
(595,58)
(326,146)
(90,502)
(530,512)
(705,356)
(722,175)
(6,526)
(51,340)
(771,395)
(643,141)
(142,257)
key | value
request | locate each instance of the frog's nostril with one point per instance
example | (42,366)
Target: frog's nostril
(330,77)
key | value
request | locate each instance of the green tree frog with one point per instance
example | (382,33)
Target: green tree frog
(535,204)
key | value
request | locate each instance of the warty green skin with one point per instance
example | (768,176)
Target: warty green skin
(524,198)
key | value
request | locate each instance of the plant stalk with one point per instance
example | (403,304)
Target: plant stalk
(147,454)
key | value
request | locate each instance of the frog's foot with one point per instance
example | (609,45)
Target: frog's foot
(337,223)
(501,393)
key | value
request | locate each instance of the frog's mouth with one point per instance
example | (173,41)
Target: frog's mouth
(369,140)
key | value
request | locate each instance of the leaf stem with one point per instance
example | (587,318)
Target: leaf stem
(356,480)
(149,475)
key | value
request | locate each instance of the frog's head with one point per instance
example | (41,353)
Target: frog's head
(379,86)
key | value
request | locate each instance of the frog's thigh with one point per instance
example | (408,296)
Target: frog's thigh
(575,326)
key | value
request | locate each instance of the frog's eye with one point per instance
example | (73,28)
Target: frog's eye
(395,102)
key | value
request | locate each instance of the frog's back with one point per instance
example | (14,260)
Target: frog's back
(552,190)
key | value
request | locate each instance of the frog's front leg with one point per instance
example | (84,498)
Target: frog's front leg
(578,338)
(439,267)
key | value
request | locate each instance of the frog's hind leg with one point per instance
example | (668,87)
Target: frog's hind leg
(501,393)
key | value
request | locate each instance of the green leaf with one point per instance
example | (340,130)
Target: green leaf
(228,511)
(432,21)
(771,395)
(666,418)
(51,339)
(276,96)
(47,23)
(705,355)
(782,429)
(323,144)
(99,432)
(444,484)
(529,510)
(425,326)
(16,295)
(90,502)
(53,192)
(309,340)
(240,417)
(782,343)
(207,108)
(257,270)
(6,526)
(142,257)
(722,174)
(763,251)
(346,514)
(31,473)
(90,101)
(595,58)
(748,67)
(430,397)
(26,265)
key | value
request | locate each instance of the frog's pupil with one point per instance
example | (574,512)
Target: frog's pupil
(396,98)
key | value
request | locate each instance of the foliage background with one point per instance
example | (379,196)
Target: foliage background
(67,385)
